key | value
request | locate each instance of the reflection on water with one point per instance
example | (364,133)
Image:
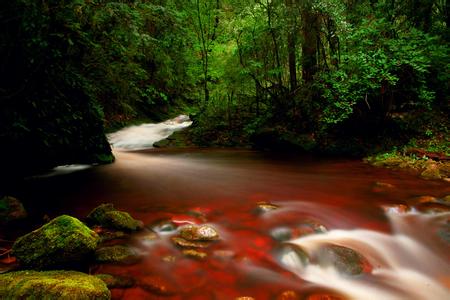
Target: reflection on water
(320,202)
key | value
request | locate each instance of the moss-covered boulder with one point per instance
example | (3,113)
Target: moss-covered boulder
(62,242)
(117,254)
(106,215)
(52,285)
(11,209)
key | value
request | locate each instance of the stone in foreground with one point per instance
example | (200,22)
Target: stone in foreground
(107,216)
(62,242)
(52,285)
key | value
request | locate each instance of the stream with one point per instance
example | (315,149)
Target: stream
(279,218)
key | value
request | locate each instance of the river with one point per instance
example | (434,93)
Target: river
(379,213)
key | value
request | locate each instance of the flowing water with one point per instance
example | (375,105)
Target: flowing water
(266,253)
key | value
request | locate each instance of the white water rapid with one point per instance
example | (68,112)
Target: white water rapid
(144,136)
(404,263)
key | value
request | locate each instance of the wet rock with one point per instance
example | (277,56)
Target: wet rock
(157,285)
(390,162)
(11,209)
(309,227)
(188,244)
(433,207)
(194,253)
(199,233)
(224,254)
(323,296)
(289,295)
(61,242)
(164,227)
(396,209)
(292,256)
(431,171)
(345,260)
(109,235)
(424,199)
(147,237)
(380,187)
(116,282)
(169,258)
(281,234)
(263,207)
(52,285)
(116,254)
(107,216)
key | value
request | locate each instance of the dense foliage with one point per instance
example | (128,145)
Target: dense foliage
(273,73)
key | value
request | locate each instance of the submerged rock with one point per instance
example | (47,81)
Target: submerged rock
(195,253)
(199,233)
(52,285)
(107,216)
(116,254)
(281,234)
(116,282)
(289,295)
(292,256)
(188,244)
(164,226)
(263,207)
(11,209)
(345,260)
(62,242)
(157,285)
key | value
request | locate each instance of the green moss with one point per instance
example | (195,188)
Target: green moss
(106,215)
(116,253)
(61,242)
(52,285)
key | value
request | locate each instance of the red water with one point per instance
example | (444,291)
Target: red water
(222,188)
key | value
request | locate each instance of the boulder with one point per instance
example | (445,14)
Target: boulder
(347,261)
(107,216)
(62,242)
(431,172)
(199,233)
(52,285)
(11,209)
(116,254)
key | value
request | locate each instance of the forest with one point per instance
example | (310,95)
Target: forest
(341,77)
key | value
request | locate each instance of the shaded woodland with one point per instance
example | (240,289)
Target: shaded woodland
(335,76)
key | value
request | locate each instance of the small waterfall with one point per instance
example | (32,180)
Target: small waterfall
(405,264)
(145,135)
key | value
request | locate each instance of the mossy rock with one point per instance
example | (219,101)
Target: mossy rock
(106,215)
(52,285)
(62,242)
(116,254)
(11,209)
